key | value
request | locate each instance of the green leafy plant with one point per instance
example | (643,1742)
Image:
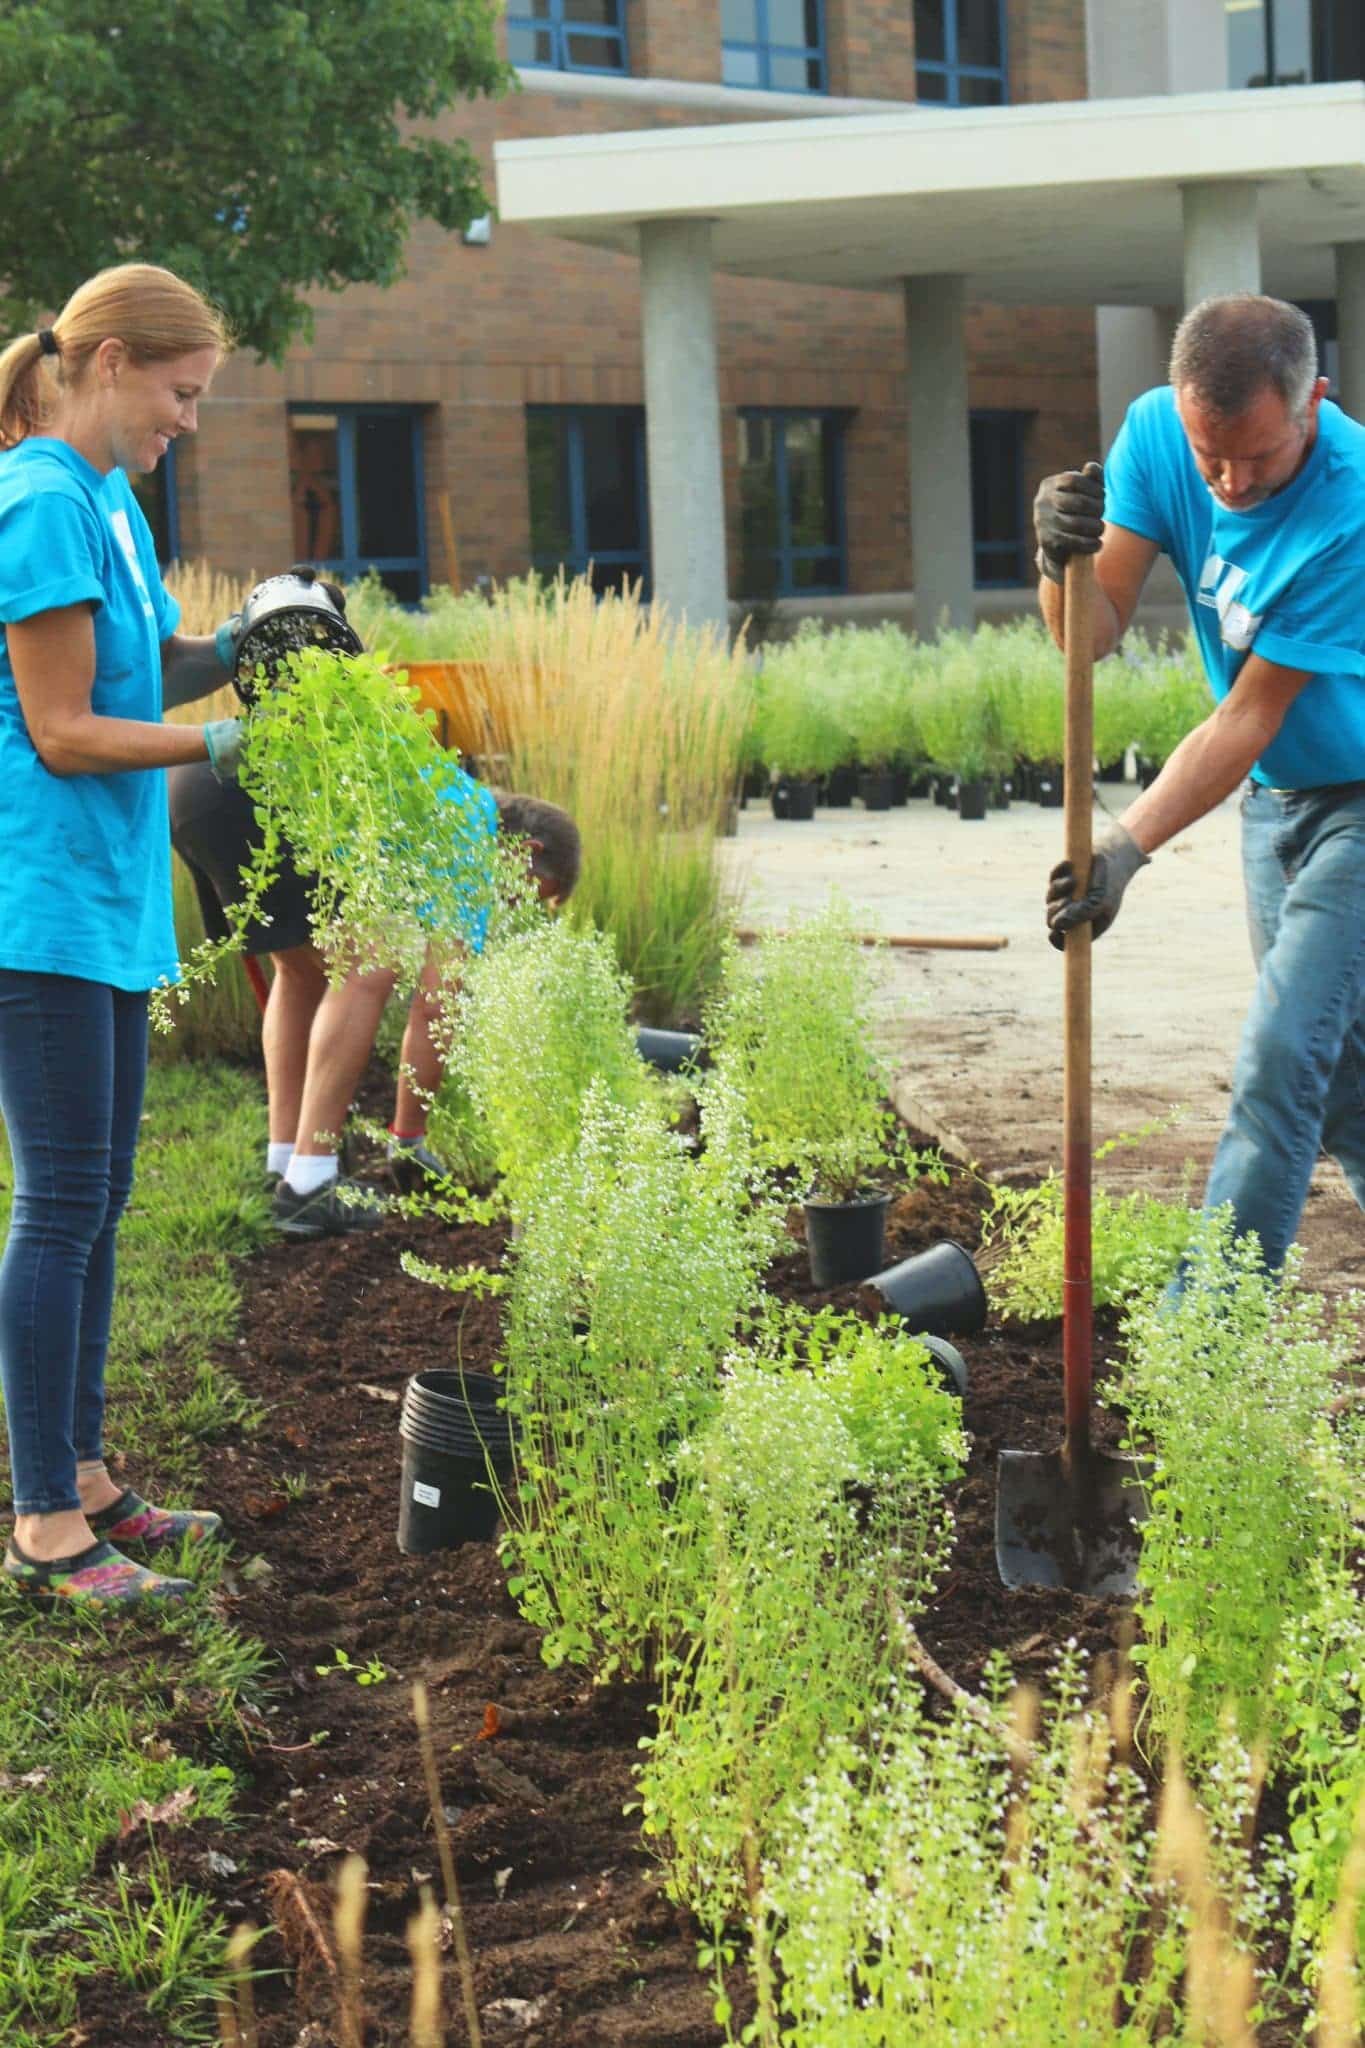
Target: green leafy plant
(792,1035)
(955,713)
(636,1263)
(540,1018)
(1169,695)
(1227,1391)
(799,732)
(373,1671)
(1136,1239)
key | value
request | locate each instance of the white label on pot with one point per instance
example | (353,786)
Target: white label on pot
(426,1496)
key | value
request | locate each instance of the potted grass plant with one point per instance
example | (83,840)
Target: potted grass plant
(1170,697)
(879,713)
(791,1035)
(954,714)
(799,734)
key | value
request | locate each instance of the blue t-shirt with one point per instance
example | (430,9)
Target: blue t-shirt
(1285,579)
(475,831)
(85,880)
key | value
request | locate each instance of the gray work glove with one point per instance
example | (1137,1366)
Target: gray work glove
(1115,859)
(1068,518)
(223,738)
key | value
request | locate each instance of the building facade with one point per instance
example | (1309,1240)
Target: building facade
(486,414)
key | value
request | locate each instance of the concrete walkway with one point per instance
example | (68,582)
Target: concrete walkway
(976,1037)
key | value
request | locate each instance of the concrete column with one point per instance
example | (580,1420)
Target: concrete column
(1134,354)
(940,452)
(1222,242)
(1351,327)
(682,421)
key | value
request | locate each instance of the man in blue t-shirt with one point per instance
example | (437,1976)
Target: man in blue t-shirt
(1253,483)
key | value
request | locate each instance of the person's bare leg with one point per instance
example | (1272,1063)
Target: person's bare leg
(339,1044)
(45,1537)
(421,1061)
(297,989)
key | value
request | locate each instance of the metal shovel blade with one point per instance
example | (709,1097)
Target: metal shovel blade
(1070,1523)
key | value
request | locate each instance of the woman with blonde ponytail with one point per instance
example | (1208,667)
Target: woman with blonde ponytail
(90,656)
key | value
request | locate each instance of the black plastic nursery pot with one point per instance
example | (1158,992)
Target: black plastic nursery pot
(900,786)
(1147,771)
(1048,785)
(942,784)
(755,784)
(794,800)
(452,1432)
(845,1240)
(938,1292)
(971,799)
(1112,771)
(839,788)
(998,793)
(877,789)
(952,1366)
(672,1052)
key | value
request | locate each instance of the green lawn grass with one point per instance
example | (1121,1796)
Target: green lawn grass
(97,1716)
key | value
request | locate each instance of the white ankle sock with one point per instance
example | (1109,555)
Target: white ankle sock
(278,1155)
(306,1172)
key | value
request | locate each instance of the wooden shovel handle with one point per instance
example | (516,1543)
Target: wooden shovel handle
(1077,1292)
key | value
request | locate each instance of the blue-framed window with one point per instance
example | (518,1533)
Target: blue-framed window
(960,53)
(1000,525)
(568,35)
(777,45)
(158,496)
(589,507)
(793,541)
(355,489)
(1294,42)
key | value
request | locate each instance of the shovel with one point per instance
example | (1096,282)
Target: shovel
(1069,1517)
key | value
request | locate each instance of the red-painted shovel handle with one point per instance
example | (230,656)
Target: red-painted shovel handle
(1077,1292)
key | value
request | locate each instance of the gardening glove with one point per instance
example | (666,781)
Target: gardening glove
(1068,518)
(223,738)
(225,640)
(1114,861)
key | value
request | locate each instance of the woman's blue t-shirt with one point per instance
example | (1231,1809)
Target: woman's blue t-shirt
(1282,580)
(85,885)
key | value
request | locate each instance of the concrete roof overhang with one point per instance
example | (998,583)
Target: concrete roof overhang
(1069,203)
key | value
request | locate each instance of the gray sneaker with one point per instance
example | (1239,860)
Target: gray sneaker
(412,1166)
(335,1209)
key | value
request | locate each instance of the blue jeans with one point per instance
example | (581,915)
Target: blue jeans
(1299,1086)
(73,1060)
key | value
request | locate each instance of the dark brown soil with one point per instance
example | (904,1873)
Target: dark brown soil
(563,1906)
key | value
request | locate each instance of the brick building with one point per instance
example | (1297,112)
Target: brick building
(487,412)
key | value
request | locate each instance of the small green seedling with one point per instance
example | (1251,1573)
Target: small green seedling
(372,1673)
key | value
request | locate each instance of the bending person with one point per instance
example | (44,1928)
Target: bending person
(316,1038)
(89,657)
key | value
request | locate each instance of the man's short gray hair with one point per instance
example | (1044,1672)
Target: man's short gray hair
(1228,350)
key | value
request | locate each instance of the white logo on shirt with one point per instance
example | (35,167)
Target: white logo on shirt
(1219,583)
(123,529)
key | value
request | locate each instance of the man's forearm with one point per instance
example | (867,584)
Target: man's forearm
(1052,603)
(1207,766)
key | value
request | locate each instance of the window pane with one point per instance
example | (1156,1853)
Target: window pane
(593,53)
(821,572)
(1293,39)
(739,21)
(931,85)
(758,505)
(605,13)
(1339,43)
(812,511)
(1246,43)
(997,497)
(794,22)
(315,487)
(385,485)
(529,46)
(978,31)
(739,67)
(404,584)
(548,469)
(795,74)
(614,575)
(931,32)
(611,480)
(979,92)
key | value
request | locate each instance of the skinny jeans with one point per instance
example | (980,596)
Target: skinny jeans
(1299,1084)
(73,1063)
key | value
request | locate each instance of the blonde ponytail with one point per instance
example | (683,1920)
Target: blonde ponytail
(154,313)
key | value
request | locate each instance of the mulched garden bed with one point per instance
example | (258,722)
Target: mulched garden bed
(574,1944)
